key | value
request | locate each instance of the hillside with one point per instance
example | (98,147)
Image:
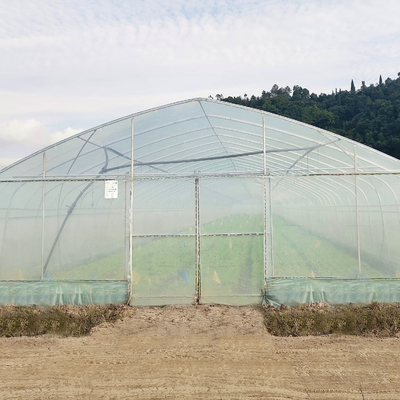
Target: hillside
(369,115)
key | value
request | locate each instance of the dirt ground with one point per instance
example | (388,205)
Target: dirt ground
(203,352)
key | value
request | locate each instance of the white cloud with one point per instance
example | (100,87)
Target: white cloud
(22,131)
(22,137)
(61,135)
(86,59)
(5,162)
(33,132)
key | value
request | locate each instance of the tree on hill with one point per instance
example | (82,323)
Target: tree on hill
(352,87)
(370,115)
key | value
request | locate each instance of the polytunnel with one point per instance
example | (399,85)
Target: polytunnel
(201,201)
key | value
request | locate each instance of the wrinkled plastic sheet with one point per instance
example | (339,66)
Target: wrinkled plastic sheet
(51,293)
(296,291)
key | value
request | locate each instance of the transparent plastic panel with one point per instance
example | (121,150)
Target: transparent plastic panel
(113,133)
(277,140)
(163,207)
(380,224)
(229,112)
(20,231)
(84,231)
(231,205)
(232,269)
(330,159)
(91,153)
(180,149)
(238,129)
(206,166)
(309,160)
(281,163)
(178,138)
(29,167)
(163,270)
(324,159)
(314,227)
(194,137)
(370,160)
(90,161)
(290,133)
(167,116)
(61,157)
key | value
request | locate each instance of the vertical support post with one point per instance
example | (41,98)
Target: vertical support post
(268,226)
(127,220)
(271,228)
(269,270)
(357,212)
(265,203)
(197,239)
(43,212)
(130,266)
(264,148)
(266,263)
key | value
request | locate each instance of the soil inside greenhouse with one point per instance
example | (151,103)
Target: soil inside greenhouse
(213,352)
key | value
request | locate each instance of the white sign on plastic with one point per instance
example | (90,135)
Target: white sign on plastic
(111,189)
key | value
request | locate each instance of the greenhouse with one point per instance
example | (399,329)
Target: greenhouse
(201,201)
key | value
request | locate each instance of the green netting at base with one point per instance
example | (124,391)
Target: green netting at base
(235,300)
(295,291)
(162,301)
(51,293)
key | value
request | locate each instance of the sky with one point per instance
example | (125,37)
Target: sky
(69,65)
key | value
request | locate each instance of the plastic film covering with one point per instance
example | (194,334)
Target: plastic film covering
(208,201)
(232,269)
(61,230)
(163,254)
(163,207)
(314,225)
(379,221)
(21,231)
(163,271)
(293,292)
(55,293)
(231,205)
(87,242)
(231,236)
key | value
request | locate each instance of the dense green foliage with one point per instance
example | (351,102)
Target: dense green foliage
(369,115)
(376,319)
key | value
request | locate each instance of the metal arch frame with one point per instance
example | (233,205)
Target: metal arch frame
(324,133)
(266,174)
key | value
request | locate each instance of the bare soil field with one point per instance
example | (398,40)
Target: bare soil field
(197,352)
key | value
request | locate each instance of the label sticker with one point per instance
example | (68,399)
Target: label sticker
(111,189)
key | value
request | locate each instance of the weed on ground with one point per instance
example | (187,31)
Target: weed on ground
(376,319)
(58,320)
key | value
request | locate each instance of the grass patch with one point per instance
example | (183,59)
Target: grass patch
(376,319)
(58,320)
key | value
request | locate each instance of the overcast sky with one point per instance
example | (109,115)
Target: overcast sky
(68,65)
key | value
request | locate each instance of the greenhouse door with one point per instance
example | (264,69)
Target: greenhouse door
(198,240)
(231,240)
(163,242)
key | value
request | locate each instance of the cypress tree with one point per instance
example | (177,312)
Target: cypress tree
(352,88)
(380,80)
